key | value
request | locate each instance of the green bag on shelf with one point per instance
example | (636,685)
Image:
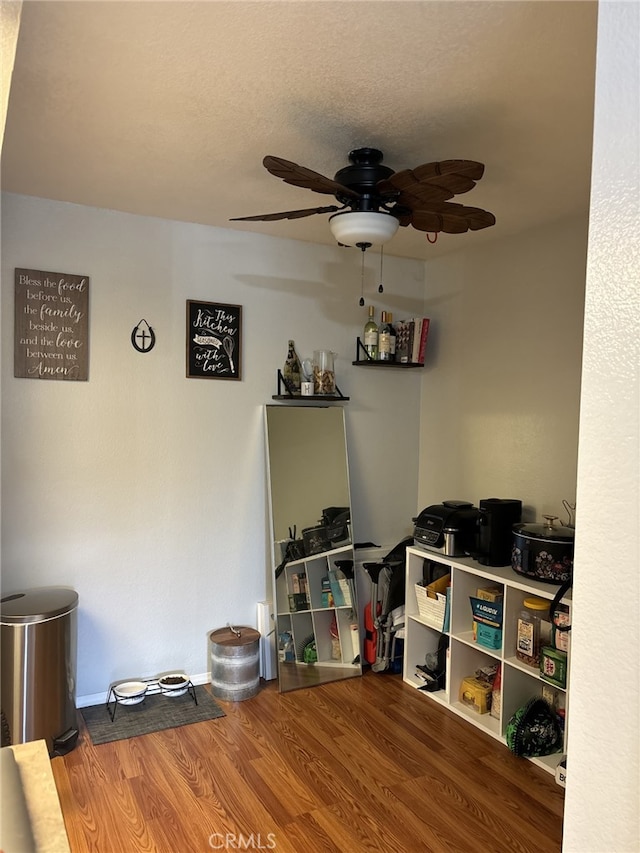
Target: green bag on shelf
(310,655)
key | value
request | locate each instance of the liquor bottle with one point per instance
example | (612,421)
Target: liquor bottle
(371,335)
(292,370)
(384,339)
(392,336)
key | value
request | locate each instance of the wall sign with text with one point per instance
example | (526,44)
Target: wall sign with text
(214,340)
(51,326)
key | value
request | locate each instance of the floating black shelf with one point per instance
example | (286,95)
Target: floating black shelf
(324,398)
(372,362)
(338,397)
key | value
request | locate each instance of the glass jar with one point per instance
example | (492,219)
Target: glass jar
(534,631)
(561,638)
(324,377)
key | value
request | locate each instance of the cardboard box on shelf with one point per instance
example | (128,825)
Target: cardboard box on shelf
(487,612)
(487,636)
(475,694)
(553,666)
(439,586)
(490,593)
(561,638)
(487,622)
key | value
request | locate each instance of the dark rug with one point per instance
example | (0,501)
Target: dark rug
(155,713)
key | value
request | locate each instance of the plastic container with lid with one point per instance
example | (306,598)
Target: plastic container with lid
(534,630)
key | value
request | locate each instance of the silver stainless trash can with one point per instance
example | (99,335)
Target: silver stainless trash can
(38,644)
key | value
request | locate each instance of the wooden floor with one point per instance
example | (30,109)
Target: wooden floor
(363,764)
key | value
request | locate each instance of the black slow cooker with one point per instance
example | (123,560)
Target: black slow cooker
(543,552)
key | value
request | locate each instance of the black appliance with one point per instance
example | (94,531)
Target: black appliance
(495,530)
(543,552)
(449,527)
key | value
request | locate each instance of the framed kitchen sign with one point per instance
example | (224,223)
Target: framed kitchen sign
(214,340)
(51,326)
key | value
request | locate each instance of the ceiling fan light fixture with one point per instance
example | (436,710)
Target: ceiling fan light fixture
(363,228)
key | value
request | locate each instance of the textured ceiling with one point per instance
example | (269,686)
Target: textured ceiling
(167,109)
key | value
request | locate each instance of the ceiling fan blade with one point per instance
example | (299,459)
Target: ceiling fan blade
(300,176)
(469,168)
(287,214)
(451,218)
(422,196)
(446,179)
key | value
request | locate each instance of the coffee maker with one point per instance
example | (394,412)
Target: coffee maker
(495,534)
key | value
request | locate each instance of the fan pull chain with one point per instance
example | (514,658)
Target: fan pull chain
(361,303)
(435,237)
(380,287)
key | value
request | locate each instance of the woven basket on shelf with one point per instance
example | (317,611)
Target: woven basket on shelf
(431,609)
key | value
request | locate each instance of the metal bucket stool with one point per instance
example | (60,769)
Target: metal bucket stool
(235,663)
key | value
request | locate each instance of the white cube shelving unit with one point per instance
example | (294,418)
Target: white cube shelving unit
(519,681)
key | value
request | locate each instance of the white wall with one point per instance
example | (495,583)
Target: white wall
(146,491)
(501,393)
(603,788)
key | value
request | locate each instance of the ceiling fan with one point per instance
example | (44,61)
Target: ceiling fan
(374,200)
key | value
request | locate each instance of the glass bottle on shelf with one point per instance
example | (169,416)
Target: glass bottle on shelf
(384,339)
(371,335)
(292,370)
(392,336)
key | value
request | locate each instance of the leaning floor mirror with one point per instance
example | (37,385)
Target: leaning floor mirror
(314,591)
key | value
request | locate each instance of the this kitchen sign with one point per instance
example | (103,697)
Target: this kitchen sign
(214,339)
(51,325)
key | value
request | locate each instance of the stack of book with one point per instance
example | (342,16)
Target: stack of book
(411,340)
(327,595)
(299,596)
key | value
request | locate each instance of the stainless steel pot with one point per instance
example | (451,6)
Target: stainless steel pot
(543,552)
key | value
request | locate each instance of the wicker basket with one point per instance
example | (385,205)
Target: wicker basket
(431,609)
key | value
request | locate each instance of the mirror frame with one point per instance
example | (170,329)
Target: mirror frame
(316,440)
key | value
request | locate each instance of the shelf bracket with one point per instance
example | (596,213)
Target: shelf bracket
(283,382)
(362,351)
(288,394)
